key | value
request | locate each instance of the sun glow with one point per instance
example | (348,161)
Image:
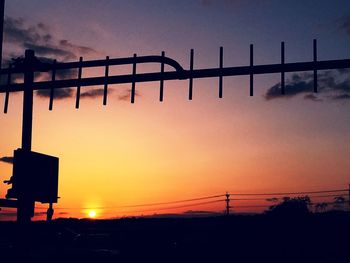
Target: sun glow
(92,213)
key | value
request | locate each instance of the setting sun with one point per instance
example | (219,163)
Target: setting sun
(92,213)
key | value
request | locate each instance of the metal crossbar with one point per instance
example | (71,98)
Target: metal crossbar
(178,73)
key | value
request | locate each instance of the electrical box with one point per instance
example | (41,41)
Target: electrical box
(35,177)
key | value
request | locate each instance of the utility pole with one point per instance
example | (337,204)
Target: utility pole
(227,204)
(349,196)
(26,204)
(2,13)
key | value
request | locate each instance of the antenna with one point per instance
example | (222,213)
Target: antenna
(282,69)
(30,65)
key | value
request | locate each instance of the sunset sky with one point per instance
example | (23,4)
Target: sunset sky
(148,152)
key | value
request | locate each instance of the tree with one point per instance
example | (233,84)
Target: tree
(296,206)
(321,207)
(339,202)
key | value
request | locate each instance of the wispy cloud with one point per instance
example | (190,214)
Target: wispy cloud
(58,93)
(94,93)
(127,95)
(332,85)
(40,38)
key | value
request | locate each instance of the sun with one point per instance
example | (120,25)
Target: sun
(92,213)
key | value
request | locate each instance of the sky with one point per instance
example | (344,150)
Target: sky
(149,152)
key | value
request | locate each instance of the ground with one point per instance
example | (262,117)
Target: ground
(259,238)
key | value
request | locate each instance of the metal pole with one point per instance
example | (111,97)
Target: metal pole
(26,205)
(349,195)
(2,13)
(227,204)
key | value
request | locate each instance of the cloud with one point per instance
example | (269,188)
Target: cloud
(22,35)
(6,159)
(58,93)
(332,85)
(63,213)
(94,93)
(40,38)
(70,92)
(126,96)
(273,199)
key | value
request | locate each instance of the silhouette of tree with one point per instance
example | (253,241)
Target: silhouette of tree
(273,199)
(296,206)
(321,207)
(339,202)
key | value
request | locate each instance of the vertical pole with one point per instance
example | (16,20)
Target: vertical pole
(282,72)
(52,90)
(2,13)
(25,210)
(221,65)
(106,82)
(80,71)
(133,80)
(227,204)
(251,68)
(315,61)
(190,88)
(161,88)
(49,213)
(7,94)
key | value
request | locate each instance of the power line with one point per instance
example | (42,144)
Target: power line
(212,197)
(266,199)
(143,205)
(292,193)
(176,202)
(176,207)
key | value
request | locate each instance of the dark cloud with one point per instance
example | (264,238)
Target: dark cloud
(58,93)
(47,47)
(50,51)
(93,93)
(40,38)
(126,96)
(6,159)
(63,213)
(332,85)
